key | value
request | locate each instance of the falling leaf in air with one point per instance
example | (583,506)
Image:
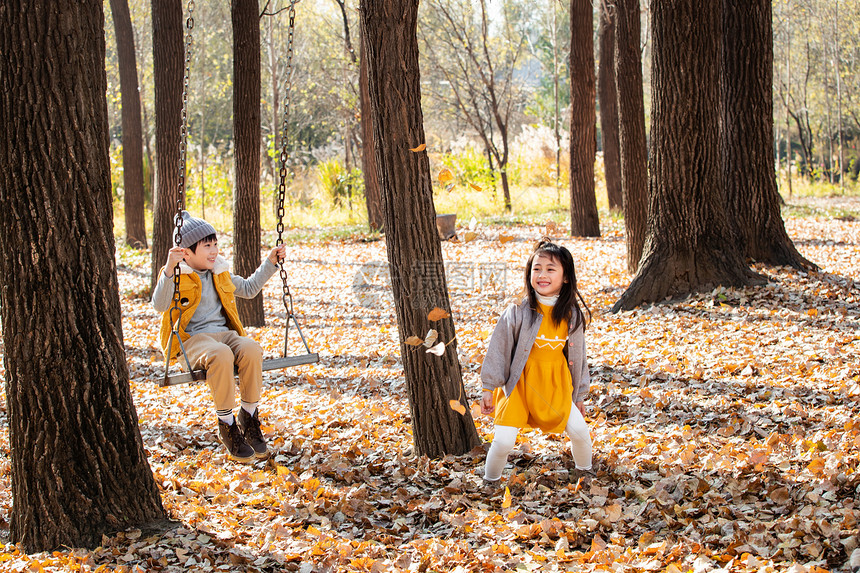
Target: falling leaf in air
(457,406)
(438,350)
(506,502)
(430,338)
(475,187)
(505,238)
(438,314)
(469,236)
(414,341)
(476,409)
(473,224)
(551,228)
(421,147)
(445,176)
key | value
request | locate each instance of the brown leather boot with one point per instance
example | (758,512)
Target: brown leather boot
(237,448)
(250,426)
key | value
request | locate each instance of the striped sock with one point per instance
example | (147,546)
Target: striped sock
(226,416)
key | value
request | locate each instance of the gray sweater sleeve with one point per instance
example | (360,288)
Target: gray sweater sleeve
(584,376)
(495,369)
(162,295)
(251,286)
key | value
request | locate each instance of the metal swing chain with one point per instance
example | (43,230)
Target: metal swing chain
(183,146)
(282,186)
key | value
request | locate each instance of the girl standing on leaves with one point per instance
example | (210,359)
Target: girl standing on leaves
(535,373)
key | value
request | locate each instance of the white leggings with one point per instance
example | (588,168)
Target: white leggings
(506,436)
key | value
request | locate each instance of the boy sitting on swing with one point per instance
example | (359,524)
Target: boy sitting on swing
(211,332)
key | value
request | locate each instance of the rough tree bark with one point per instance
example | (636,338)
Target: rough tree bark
(132,138)
(689,244)
(631,118)
(606,89)
(414,252)
(368,155)
(167,63)
(79,468)
(246,134)
(746,139)
(584,221)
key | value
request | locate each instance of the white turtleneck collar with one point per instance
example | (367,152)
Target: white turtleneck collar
(547,300)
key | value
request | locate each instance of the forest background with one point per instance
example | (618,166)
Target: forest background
(816,107)
(725,422)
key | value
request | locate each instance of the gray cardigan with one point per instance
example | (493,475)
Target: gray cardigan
(511,343)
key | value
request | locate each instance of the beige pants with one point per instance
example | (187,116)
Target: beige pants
(217,352)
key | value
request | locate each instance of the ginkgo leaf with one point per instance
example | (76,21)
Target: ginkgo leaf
(456,405)
(445,176)
(414,341)
(505,238)
(421,147)
(430,338)
(506,501)
(475,187)
(438,314)
(438,350)
(469,236)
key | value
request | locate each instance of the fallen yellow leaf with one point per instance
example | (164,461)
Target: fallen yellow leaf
(816,466)
(506,502)
(502,548)
(421,147)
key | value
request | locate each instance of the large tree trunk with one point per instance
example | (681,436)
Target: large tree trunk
(689,244)
(368,155)
(132,140)
(606,88)
(167,64)
(246,134)
(584,221)
(78,464)
(414,252)
(631,116)
(747,134)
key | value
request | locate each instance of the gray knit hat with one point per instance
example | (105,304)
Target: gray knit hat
(193,230)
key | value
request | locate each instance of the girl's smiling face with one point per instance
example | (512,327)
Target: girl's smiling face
(547,275)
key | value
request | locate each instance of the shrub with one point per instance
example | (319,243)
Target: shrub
(340,185)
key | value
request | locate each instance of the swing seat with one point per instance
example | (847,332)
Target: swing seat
(268,364)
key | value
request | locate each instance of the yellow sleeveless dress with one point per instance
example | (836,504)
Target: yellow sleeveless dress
(542,397)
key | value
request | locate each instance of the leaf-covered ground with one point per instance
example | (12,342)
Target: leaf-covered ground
(727,428)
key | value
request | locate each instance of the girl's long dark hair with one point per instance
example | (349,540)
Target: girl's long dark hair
(570,303)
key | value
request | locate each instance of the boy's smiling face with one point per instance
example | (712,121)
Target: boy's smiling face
(204,257)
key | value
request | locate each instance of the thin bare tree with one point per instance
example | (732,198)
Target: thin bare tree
(478,73)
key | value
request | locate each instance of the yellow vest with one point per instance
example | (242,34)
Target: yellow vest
(190,288)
